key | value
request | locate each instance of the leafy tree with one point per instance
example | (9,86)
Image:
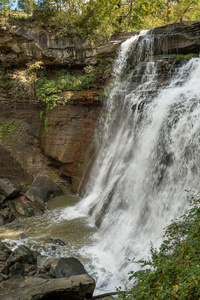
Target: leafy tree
(26,5)
(6,5)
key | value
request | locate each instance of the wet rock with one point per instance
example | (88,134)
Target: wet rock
(40,283)
(5,269)
(23,235)
(3,255)
(43,189)
(47,263)
(18,276)
(73,288)
(29,268)
(2,220)
(57,241)
(16,269)
(13,259)
(66,267)
(25,254)
(2,199)
(8,189)
(5,277)
(29,208)
(4,248)
(40,261)
(24,207)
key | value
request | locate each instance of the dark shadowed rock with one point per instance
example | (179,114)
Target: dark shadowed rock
(56,241)
(2,219)
(8,189)
(2,198)
(3,255)
(43,189)
(24,253)
(16,269)
(66,267)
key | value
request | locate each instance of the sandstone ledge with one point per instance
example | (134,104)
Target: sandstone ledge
(74,287)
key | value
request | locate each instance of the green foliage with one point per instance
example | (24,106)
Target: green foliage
(98,20)
(48,88)
(26,5)
(5,80)
(41,115)
(35,68)
(102,95)
(174,269)
(10,131)
(6,5)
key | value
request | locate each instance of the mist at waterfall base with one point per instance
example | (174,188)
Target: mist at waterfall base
(148,155)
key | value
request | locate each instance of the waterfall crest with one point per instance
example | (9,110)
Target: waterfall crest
(147,144)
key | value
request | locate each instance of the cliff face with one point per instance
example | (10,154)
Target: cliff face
(60,142)
(63,148)
(69,141)
(22,43)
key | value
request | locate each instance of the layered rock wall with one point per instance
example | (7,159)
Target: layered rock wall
(60,142)
(63,151)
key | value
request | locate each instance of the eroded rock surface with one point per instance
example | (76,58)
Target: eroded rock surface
(73,288)
(64,153)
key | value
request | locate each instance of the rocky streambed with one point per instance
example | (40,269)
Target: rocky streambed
(36,271)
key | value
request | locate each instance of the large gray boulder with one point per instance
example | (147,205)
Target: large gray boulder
(72,288)
(8,189)
(43,189)
(66,267)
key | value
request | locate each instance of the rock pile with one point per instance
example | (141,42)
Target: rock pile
(25,274)
(13,203)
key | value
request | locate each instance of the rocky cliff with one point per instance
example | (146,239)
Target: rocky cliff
(60,142)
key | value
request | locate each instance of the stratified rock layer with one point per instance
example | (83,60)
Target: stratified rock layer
(72,288)
(64,152)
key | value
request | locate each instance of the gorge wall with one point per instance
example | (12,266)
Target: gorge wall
(64,148)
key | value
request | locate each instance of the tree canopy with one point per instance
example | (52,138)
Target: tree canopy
(102,18)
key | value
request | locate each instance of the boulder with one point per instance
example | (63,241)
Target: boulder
(72,288)
(16,269)
(24,254)
(66,267)
(3,255)
(2,219)
(25,274)
(56,241)
(8,189)
(2,198)
(29,208)
(43,189)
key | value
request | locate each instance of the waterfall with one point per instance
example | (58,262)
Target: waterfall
(147,154)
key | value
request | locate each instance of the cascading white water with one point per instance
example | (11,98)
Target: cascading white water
(147,156)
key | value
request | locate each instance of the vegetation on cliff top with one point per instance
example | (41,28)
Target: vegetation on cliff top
(174,271)
(39,83)
(97,20)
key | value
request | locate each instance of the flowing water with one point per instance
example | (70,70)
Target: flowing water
(148,154)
